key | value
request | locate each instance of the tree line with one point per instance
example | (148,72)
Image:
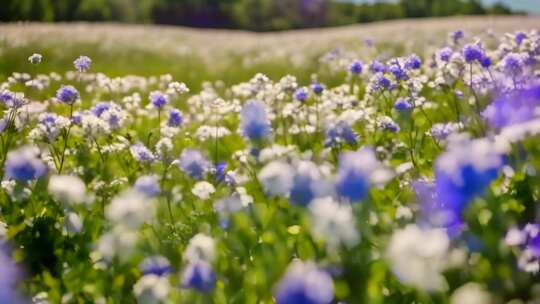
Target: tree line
(257,15)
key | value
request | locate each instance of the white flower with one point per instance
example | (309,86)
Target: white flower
(471,293)
(203,190)
(333,223)
(200,247)
(277,178)
(151,289)
(73,223)
(67,189)
(130,208)
(417,257)
(119,241)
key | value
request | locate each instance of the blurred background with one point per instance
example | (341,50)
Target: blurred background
(255,15)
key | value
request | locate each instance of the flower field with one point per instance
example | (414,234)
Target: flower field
(350,165)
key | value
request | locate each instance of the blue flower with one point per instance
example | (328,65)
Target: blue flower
(221,174)
(304,283)
(512,64)
(35,58)
(301,94)
(158,265)
(413,62)
(199,275)
(24,164)
(306,183)
(341,132)
(445,54)
(82,64)
(377,67)
(457,35)
(519,37)
(175,118)
(486,62)
(194,163)
(465,171)
(513,108)
(403,105)
(67,94)
(317,88)
(472,52)
(141,153)
(158,99)
(148,185)
(353,176)
(100,107)
(381,82)
(386,123)
(356,67)
(398,72)
(254,120)
(9,277)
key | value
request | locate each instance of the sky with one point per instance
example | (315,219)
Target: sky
(531,6)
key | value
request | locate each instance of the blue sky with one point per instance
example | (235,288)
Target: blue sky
(532,6)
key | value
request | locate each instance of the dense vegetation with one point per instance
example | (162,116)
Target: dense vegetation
(259,15)
(411,177)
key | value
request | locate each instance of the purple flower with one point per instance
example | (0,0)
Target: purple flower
(301,94)
(464,171)
(512,64)
(317,88)
(175,118)
(100,107)
(158,99)
(413,62)
(354,174)
(194,163)
(304,283)
(486,62)
(519,37)
(445,54)
(35,58)
(82,64)
(381,82)
(513,108)
(472,52)
(340,132)
(148,185)
(457,35)
(141,153)
(386,123)
(24,164)
(9,277)
(199,275)
(67,94)
(403,105)
(377,67)
(398,72)
(157,265)
(255,124)
(356,67)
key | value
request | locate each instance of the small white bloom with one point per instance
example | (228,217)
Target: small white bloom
(203,190)
(130,208)
(333,223)
(277,178)
(67,189)
(151,289)
(73,223)
(471,293)
(200,247)
(417,257)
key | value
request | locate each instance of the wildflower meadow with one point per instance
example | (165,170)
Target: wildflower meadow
(377,171)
